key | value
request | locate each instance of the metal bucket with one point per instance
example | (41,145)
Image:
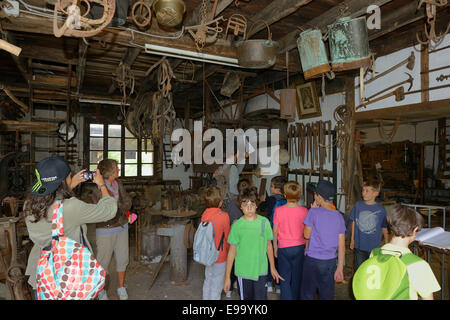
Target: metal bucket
(288,101)
(257,54)
(313,55)
(349,44)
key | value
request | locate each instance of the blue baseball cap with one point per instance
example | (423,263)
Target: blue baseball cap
(50,172)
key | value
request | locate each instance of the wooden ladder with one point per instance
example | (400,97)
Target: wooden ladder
(444,147)
(167,156)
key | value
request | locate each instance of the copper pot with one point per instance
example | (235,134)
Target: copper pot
(259,53)
(169,13)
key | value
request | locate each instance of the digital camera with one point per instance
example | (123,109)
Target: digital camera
(88,175)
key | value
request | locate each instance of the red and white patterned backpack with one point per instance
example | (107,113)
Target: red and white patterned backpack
(67,270)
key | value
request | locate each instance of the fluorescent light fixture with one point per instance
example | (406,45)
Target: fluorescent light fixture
(192,55)
(116,103)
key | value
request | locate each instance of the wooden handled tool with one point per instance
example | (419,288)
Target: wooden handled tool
(330,139)
(15,50)
(256,173)
(399,94)
(409,64)
(410,80)
(160,264)
(303,187)
(262,187)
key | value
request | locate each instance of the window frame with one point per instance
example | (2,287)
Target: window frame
(87,148)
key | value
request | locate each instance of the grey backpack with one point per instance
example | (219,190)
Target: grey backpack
(205,251)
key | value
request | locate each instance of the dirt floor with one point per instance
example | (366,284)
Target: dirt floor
(139,276)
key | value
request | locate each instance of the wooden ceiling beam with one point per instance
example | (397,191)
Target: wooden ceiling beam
(196,16)
(396,19)
(41,25)
(128,59)
(82,54)
(274,12)
(38,52)
(429,110)
(20,61)
(34,24)
(406,36)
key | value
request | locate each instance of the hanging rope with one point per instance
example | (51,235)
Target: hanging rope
(165,75)
(386,135)
(125,79)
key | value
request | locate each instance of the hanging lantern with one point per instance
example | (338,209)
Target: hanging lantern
(349,44)
(313,55)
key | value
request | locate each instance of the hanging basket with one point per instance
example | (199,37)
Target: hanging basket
(257,53)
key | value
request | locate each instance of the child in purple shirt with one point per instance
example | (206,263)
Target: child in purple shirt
(325,234)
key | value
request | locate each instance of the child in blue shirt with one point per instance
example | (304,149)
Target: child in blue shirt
(368,223)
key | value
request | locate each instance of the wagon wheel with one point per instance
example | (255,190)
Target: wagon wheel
(88,27)
(141,14)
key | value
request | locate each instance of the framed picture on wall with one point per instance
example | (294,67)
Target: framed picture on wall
(308,105)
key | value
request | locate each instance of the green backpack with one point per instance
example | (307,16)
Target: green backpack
(383,276)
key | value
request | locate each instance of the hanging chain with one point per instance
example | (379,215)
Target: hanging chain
(200,32)
(204,13)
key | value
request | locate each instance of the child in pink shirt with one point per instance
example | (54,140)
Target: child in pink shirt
(288,241)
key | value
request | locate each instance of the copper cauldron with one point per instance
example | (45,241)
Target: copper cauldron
(257,54)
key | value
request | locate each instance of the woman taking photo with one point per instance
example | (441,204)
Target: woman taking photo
(54,182)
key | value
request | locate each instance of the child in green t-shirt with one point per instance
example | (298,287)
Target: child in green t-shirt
(250,243)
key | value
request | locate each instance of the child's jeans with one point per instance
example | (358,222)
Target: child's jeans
(252,289)
(213,284)
(318,275)
(290,267)
(360,257)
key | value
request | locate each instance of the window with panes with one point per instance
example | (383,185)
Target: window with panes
(113,141)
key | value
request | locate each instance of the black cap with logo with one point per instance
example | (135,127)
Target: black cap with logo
(326,189)
(50,172)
